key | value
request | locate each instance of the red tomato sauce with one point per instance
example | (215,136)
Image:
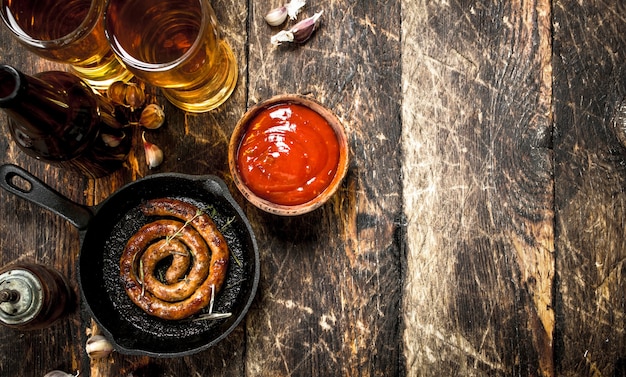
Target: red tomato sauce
(288,155)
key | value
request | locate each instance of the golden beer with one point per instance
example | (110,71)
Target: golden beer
(174,45)
(69,31)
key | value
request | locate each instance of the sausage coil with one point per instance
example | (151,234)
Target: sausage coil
(197,269)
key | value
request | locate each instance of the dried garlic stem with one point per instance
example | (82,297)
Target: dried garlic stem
(294,7)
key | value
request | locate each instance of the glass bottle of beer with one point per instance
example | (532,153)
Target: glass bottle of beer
(57,118)
(32,296)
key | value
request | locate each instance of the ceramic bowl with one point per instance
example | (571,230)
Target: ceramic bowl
(279,203)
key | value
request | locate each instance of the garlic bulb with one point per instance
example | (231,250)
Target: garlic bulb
(135,96)
(152,117)
(117,92)
(98,347)
(127,94)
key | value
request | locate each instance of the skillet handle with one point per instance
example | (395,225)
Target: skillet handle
(37,192)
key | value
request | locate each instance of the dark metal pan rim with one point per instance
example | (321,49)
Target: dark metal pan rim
(96,222)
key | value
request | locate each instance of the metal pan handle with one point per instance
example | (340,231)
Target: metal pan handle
(37,192)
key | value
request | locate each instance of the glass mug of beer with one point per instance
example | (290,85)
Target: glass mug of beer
(68,31)
(176,46)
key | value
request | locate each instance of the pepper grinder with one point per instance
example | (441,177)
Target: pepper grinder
(32,296)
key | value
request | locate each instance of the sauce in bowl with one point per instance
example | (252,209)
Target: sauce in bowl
(288,155)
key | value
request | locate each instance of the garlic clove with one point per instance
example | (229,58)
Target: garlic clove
(112,141)
(98,347)
(294,7)
(152,117)
(134,96)
(154,154)
(299,33)
(127,94)
(276,16)
(303,30)
(117,92)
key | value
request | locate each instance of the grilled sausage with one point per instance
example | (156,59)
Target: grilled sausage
(199,260)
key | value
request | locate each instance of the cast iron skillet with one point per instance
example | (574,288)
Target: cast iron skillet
(104,231)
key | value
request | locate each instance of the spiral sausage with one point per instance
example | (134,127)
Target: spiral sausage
(199,260)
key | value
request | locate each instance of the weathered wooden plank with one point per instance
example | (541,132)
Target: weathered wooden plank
(31,234)
(589,73)
(331,280)
(478,188)
(192,144)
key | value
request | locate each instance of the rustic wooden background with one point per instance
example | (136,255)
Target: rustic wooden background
(513,188)
(479,231)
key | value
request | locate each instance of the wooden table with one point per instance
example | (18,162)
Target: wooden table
(480,229)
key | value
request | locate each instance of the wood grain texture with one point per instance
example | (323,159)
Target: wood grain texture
(329,303)
(330,290)
(31,234)
(480,229)
(590,175)
(478,188)
(193,143)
